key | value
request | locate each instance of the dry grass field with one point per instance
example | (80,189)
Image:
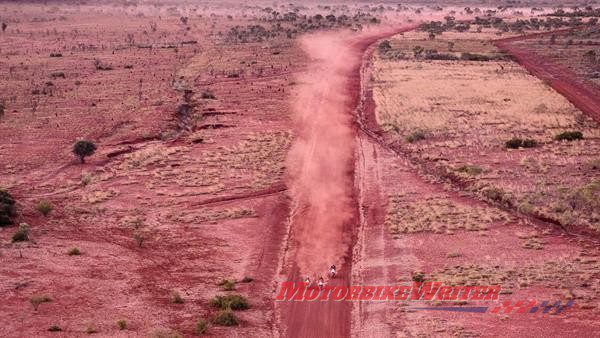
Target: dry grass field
(456,117)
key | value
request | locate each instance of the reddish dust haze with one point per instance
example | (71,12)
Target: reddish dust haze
(321,157)
(320,163)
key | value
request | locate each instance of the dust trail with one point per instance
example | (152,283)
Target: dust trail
(320,162)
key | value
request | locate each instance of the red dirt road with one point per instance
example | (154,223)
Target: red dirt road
(325,211)
(584,96)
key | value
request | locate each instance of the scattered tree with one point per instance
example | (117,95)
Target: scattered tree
(83,148)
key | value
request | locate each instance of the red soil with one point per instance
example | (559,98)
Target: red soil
(583,95)
(381,258)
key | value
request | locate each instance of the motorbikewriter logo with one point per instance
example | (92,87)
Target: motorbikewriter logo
(430,291)
(292,291)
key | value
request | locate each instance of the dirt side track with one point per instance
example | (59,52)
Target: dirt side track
(584,96)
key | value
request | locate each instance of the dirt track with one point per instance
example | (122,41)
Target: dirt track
(317,244)
(564,81)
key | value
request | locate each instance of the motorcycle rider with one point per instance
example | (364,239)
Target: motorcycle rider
(332,270)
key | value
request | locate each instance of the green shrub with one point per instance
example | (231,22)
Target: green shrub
(7,208)
(225,318)
(44,207)
(227,285)
(74,251)
(201,326)
(569,136)
(2,109)
(415,136)
(384,46)
(418,277)
(122,324)
(247,279)
(234,302)
(83,148)
(90,329)
(54,328)
(516,143)
(475,57)
(22,234)
(176,298)
(470,169)
(37,300)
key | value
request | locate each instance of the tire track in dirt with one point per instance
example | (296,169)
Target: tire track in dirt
(321,179)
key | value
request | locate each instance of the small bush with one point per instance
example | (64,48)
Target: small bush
(91,329)
(201,326)
(384,46)
(22,234)
(475,57)
(516,143)
(468,169)
(58,74)
(99,65)
(418,277)
(225,318)
(7,208)
(415,136)
(176,298)
(2,109)
(83,148)
(54,328)
(122,324)
(44,207)
(56,55)
(207,95)
(74,251)
(234,302)
(247,279)
(569,136)
(37,300)
(227,285)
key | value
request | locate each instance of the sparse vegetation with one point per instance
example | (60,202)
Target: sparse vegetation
(176,297)
(36,301)
(91,329)
(74,251)
(7,208)
(122,324)
(99,65)
(234,302)
(207,95)
(201,326)
(515,143)
(227,285)
(54,328)
(44,207)
(470,169)
(22,235)
(247,279)
(569,136)
(416,136)
(225,318)
(83,149)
